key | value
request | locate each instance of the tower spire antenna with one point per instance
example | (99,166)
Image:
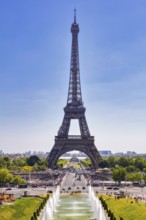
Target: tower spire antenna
(75,15)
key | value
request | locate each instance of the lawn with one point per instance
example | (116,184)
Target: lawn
(127,210)
(75,165)
(22,209)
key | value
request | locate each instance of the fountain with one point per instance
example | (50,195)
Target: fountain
(98,211)
(50,207)
(73,207)
(83,206)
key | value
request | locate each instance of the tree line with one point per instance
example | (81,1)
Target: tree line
(23,164)
(6,177)
(123,168)
(126,169)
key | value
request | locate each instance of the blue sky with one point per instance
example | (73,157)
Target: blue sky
(35,49)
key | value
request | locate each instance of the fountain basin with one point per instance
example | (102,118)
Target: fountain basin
(72,207)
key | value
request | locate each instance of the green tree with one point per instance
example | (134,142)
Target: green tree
(103,164)
(130,168)
(139,163)
(32,160)
(119,174)
(5,176)
(123,162)
(131,161)
(3,163)
(42,164)
(134,177)
(42,161)
(113,161)
(144,177)
(137,176)
(86,162)
(7,159)
(144,170)
(35,167)
(18,180)
(130,177)
(9,178)
(27,169)
(62,162)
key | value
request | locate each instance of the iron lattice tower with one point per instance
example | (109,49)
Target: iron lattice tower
(74,109)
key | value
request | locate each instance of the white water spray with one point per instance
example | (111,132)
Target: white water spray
(50,207)
(98,210)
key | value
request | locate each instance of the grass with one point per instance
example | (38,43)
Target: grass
(22,209)
(75,165)
(124,208)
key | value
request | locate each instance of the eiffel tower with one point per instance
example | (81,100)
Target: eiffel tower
(74,109)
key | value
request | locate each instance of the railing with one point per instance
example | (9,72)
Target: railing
(75,137)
